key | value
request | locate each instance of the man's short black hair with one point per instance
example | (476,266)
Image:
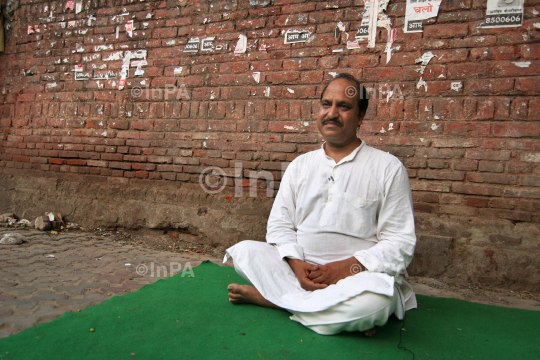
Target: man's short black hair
(363,99)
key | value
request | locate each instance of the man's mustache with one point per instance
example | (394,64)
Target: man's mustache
(334,120)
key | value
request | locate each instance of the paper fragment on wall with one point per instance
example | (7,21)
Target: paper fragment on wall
(418,10)
(139,71)
(192,45)
(257,76)
(503,13)
(456,86)
(424,59)
(522,64)
(353,45)
(208,44)
(241,45)
(421,83)
(70,5)
(78,7)
(295,36)
(129,28)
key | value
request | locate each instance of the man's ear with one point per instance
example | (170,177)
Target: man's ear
(361,118)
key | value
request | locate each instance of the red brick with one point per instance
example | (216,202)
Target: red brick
(477,189)
(492,178)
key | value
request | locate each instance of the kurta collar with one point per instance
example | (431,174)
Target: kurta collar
(347,158)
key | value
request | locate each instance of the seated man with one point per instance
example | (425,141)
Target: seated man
(340,232)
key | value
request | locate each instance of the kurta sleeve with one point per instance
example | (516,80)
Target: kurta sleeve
(281,229)
(395,228)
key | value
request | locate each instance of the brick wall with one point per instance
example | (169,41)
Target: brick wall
(472,149)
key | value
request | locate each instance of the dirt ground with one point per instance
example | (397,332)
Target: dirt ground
(178,243)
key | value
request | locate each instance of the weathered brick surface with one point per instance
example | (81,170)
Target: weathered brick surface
(476,148)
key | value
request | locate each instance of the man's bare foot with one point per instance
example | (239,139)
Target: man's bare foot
(247,294)
(370,332)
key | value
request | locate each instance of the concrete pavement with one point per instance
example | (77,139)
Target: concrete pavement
(51,274)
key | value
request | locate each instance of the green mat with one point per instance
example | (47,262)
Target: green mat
(190,318)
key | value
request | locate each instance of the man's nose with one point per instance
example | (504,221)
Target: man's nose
(333,112)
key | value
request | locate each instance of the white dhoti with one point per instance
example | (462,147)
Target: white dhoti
(356,303)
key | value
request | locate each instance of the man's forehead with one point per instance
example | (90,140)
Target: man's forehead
(340,86)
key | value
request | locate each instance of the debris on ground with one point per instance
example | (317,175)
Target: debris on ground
(12,239)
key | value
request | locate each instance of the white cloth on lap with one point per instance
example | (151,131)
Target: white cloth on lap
(356,303)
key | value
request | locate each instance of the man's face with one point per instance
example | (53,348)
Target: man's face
(338,117)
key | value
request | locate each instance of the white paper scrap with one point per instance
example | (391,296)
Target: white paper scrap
(129,28)
(208,43)
(421,83)
(425,58)
(353,45)
(456,85)
(192,45)
(257,76)
(241,45)
(522,64)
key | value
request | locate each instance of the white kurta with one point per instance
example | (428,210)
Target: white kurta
(325,212)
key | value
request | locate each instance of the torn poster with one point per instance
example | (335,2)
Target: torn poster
(362,32)
(129,28)
(70,5)
(78,68)
(418,10)
(192,45)
(257,76)
(78,7)
(241,45)
(296,36)
(373,17)
(139,71)
(503,13)
(262,47)
(208,44)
